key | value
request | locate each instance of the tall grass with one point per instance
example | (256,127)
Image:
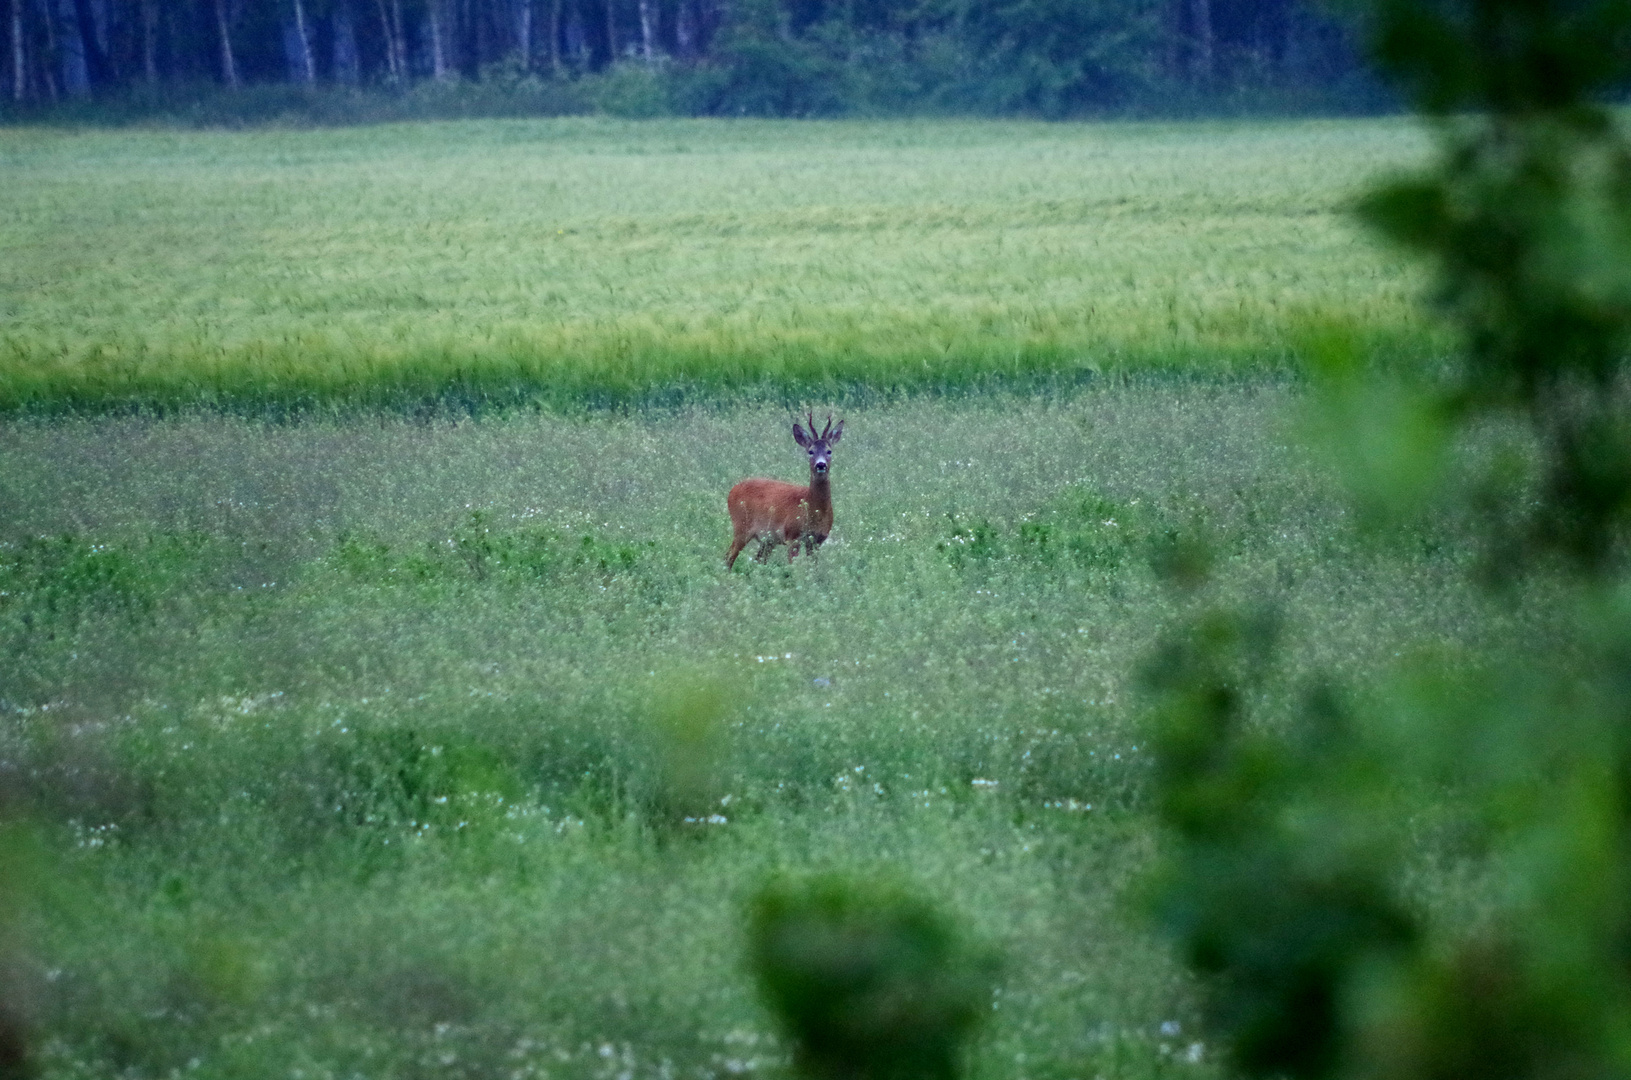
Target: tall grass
(345,745)
(578,260)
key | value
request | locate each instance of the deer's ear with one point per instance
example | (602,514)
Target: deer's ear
(837,433)
(799,436)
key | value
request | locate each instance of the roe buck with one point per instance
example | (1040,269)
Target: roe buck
(774,512)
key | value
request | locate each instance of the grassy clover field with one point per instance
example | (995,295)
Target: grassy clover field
(396,743)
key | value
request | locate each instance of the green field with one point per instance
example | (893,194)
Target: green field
(384,742)
(591,260)
(346,740)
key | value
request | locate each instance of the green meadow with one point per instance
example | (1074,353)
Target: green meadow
(592,260)
(351,743)
(384,741)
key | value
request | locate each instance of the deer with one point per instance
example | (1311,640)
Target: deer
(776,512)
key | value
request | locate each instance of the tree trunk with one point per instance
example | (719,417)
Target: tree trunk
(96,61)
(523,33)
(150,41)
(684,34)
(611,32)
(229,68)
(390,40)
(19,68)
(308,66)
(645,30)
(52,60)
(708,17)
(399,38)
(385,29)
(344,56)
(1172,40)
(555,37)
(438,53)
(1200,12)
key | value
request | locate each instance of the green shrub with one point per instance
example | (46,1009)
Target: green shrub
(1293,877)
(870,982)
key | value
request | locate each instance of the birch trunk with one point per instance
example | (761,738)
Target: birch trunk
(308,66)
(645,30)
(343,53)
(1172,28)
(1200,12)
(555,37)
(523,34)
(19,72)
(150,41)
(399,38)
(390,40)
(53,55)
(438,55)
(229,68)
(97,69)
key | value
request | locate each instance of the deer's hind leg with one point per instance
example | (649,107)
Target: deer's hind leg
(765,546)
(740,535)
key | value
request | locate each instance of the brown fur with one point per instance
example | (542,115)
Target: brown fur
(776,512)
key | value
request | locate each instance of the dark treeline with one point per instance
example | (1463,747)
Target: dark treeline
(763,57)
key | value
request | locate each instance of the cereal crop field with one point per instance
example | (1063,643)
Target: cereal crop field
(601,261)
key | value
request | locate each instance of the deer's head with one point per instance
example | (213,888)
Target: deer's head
(819,447)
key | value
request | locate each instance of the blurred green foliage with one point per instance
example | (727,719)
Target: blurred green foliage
(1527,216)
(22,867)
(871,982)
(687,784)
(1297,846)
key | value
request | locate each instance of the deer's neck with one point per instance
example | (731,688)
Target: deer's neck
(820,489)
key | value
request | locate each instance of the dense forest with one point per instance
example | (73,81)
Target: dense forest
(758,57)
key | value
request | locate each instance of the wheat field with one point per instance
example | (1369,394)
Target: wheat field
(572,261)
